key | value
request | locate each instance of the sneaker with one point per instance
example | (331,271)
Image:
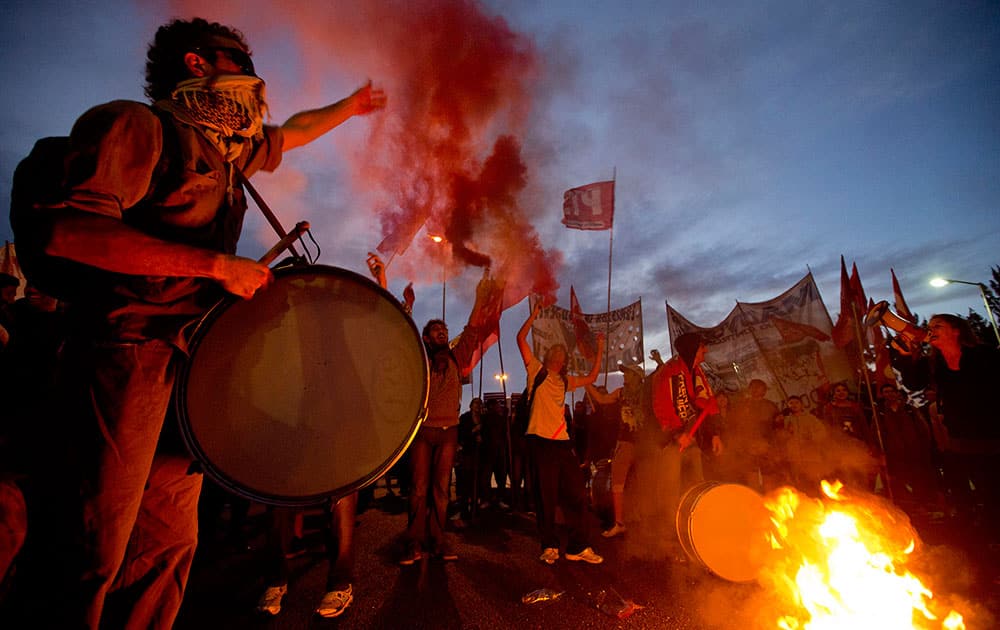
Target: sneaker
(615,530)
(587,555)
(335,602)
(411,555)
(550,555)
(270,601)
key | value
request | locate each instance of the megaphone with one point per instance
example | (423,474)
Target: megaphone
(880,314)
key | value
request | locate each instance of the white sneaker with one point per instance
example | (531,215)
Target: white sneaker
(615,530)
(335,602)
(550,555)
(270,601)
(587,555)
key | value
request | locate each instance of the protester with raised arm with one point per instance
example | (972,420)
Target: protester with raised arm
(150,209)
(558,477)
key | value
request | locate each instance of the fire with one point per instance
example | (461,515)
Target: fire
(843,565)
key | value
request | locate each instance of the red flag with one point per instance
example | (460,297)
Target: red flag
(796,331)
(590,207)
(858,292)
(584,337)
(489,299)
(843,330)
(897,295)
(400,235)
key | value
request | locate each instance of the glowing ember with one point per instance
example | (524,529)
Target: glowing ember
(842,565)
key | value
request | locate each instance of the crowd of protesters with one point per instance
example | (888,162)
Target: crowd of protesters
(622,459)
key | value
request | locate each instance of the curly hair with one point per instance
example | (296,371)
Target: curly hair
(165,58)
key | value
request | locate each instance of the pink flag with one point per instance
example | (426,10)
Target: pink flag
(590,207)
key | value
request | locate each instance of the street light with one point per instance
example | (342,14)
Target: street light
(501,377)
(444,284)
(940,282)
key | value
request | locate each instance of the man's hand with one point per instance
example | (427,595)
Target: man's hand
(654,354)
(377,269)
(684,440)
(242,276)
(367,99)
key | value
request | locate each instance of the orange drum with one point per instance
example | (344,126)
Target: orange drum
(309,391)
(725,528)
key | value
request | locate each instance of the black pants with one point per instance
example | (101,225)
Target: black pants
(559,483)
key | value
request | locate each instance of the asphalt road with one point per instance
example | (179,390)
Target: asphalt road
(498,564)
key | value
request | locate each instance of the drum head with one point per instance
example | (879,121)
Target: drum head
(310,390)
(725,527)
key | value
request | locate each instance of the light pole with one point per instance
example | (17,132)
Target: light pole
(940,282)
(444,284)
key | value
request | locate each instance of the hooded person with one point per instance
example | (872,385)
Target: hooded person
(671,461)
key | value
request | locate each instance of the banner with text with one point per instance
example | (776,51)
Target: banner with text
(623,327)
(784,341)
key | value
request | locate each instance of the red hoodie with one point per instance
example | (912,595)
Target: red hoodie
(677,397)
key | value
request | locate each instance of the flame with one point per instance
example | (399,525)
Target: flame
(842,565)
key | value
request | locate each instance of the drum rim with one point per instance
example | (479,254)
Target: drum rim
(219,476)
(685,533)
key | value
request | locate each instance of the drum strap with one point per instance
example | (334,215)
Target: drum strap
(244,181)
(264,208)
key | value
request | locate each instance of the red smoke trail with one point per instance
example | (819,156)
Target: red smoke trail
(445,153)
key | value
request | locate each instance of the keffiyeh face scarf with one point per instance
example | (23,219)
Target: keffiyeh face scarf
(229,107)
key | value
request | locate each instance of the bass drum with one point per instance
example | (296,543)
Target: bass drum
(725,527)
(309,391)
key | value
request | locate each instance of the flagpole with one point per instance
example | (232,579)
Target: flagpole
(611,244)
(515,493)
(883,464)
(642,339)
(481,364)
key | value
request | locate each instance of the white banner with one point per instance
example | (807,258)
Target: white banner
(784,341)
(623,328)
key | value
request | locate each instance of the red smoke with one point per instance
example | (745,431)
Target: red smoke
(463,81)
(445,153)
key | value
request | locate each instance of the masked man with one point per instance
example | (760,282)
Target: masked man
(151,211)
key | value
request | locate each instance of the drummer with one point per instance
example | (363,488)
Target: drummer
(159,242)
(681,400)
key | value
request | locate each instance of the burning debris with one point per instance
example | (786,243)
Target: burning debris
(841,562)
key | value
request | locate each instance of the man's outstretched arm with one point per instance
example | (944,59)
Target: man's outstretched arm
(304,127)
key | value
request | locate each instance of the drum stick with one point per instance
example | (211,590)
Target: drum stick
(286,241)
(697,423)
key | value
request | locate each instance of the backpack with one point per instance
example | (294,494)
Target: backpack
(40,180)
(522,410)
